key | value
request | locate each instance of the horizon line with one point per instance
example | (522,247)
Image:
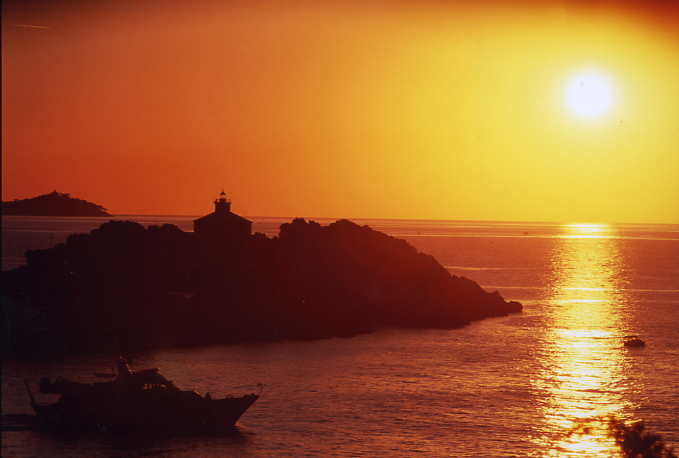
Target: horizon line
(439,220)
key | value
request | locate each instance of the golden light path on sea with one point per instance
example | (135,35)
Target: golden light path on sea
(582,379)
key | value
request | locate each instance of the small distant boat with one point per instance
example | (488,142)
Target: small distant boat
(634,341)
(136,401)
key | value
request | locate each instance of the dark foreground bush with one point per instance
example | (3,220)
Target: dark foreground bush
(633,439)
(637,442)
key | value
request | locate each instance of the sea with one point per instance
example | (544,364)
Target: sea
(540,383)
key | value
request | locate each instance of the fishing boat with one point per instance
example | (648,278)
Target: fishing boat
(634,342)
(136,401)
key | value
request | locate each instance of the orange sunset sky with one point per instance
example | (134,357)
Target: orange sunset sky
(444,110)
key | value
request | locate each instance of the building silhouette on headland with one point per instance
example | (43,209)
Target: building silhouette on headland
(222,224)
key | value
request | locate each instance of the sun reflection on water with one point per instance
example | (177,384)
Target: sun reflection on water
(582,378)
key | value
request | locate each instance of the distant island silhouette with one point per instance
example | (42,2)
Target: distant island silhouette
(125,288)
(53,204)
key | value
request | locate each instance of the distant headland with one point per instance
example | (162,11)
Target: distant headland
(53,204)
(124,287)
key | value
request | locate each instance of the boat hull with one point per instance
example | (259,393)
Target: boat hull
(146,411)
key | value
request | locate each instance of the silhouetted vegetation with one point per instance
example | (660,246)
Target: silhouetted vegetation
(123,287)
(53,204)
(636,442)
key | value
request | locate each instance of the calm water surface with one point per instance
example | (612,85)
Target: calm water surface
(513,386)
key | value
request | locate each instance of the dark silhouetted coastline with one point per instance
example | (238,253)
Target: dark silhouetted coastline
(125,288)
(53,204)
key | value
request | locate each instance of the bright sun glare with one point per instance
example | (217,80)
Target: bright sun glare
(589,95)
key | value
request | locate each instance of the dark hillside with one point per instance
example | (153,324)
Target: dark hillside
(53,204)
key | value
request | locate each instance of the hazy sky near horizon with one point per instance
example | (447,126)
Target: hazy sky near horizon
(443,110)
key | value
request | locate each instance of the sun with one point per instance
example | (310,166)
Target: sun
(589,95)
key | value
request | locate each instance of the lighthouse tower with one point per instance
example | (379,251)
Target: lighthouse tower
(222,204)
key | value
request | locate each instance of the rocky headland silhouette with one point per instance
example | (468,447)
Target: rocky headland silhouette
(125,288)
(53,204)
